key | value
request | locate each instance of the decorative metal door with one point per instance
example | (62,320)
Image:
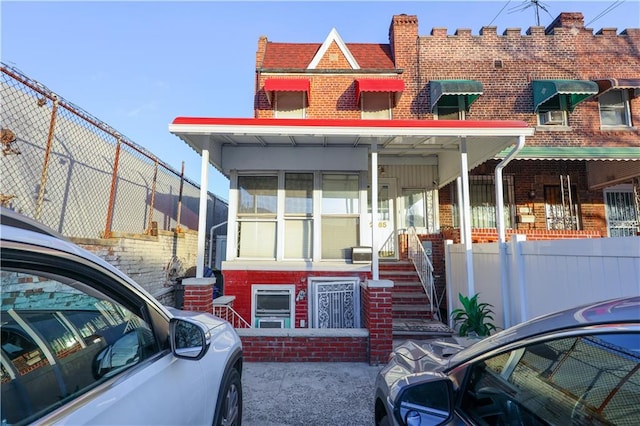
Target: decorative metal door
(622,216)
(335,304)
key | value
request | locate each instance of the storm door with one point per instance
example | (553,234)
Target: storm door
(334,303)
(385,225)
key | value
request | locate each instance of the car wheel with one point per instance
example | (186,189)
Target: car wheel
(384,421)
(229,406)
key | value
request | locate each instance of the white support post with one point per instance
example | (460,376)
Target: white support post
(466,222)
(374,212)
(460,209)
(202,212)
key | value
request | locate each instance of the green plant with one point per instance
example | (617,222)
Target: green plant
(473,317)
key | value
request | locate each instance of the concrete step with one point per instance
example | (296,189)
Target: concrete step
(419,329)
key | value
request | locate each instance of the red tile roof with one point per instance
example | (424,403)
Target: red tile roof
(299,55)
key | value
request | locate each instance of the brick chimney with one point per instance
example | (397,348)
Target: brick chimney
(262,48)
(566,20)
(403,36)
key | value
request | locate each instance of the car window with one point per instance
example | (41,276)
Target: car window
(577,380)
(60,338)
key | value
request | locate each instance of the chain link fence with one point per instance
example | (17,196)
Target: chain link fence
(74,173)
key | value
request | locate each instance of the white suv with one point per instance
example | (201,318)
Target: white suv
(84,344)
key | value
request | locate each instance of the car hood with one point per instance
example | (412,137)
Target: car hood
(429,355)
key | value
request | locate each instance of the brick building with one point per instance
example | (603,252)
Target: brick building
(424,125)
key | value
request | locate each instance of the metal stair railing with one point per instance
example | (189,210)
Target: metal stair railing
(388,248)
(227,313)
(424,268)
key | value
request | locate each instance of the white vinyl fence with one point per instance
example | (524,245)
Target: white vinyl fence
(539,277)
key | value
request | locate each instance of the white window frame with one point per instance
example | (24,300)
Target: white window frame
(542,113)
(623,105)
(280,218)
(256,289)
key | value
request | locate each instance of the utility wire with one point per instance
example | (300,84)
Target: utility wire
(605,11)
(503,7)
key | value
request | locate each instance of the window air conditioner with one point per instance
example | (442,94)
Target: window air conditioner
(553,117)
(270,323)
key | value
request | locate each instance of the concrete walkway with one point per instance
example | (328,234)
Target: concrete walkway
(300,393)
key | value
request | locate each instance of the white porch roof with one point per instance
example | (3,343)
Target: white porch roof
(455,146)
(396,141)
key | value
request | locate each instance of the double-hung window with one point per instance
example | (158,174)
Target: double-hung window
(340,215)
(290,104)
(451,108)
(614,108)
(376,105)
(257,208)
(298,215)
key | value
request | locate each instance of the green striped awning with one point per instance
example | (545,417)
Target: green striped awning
(447,92)
(561,94)
(574,153)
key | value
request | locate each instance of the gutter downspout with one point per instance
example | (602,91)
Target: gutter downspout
(213,228)
(502,248)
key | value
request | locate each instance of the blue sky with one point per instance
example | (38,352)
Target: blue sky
(138,65)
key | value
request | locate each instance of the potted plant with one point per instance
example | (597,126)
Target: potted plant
(473,317)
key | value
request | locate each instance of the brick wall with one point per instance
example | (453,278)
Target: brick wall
(147,259)
(238,283)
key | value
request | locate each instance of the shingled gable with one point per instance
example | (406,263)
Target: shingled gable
(333,37)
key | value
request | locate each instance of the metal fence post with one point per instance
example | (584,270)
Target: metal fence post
(112,194)
(153,197)
(47,154)
(179,213)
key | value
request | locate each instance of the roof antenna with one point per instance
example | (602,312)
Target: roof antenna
(532,3)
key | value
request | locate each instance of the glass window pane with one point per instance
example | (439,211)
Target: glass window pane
(414,212)
(298,236)
(449,113)
(575,380)
(376,106)
(298,189)
(613,108)
(62,338)
(340,194)
(339,234)
(257,195)
(290,104)
(257,239)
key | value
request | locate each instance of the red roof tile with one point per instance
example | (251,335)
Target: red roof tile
(300,55)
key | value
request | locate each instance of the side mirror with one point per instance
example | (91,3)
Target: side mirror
(424,399)
(189,339)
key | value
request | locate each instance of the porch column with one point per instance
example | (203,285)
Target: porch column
(374,211)
(202,212)
(466,219)
(378,319)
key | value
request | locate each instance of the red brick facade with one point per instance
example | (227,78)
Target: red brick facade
(506,65)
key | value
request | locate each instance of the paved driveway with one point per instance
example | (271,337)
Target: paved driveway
(301,393)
